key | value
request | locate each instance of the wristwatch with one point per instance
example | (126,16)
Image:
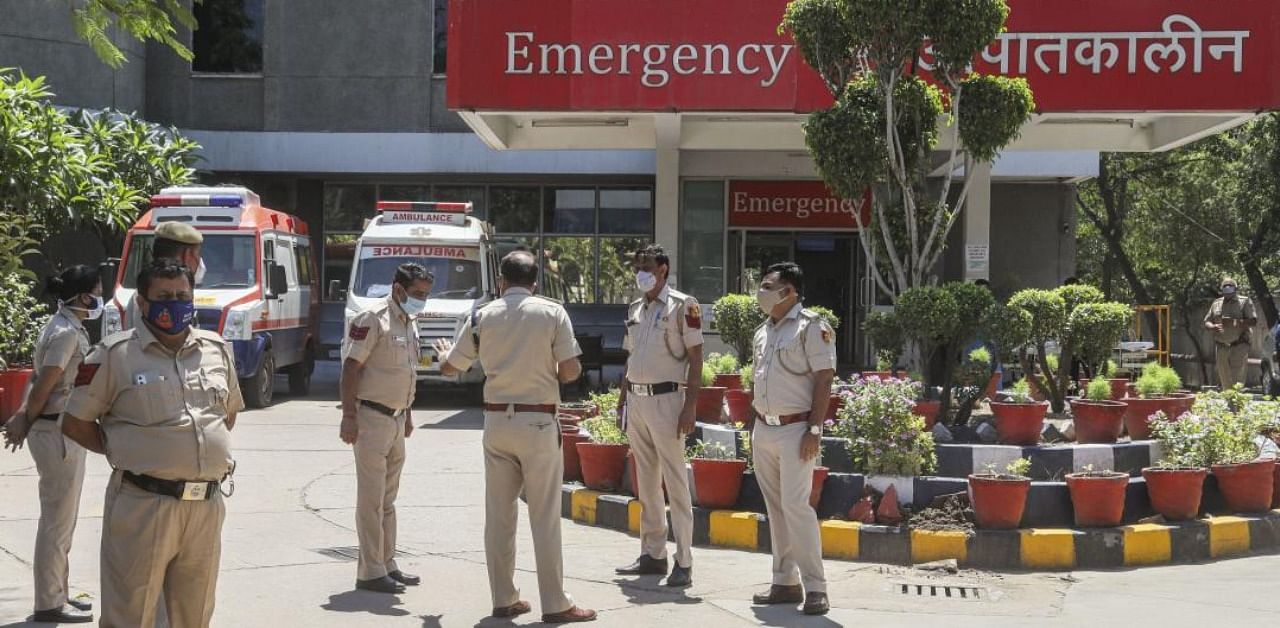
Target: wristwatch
(816,430)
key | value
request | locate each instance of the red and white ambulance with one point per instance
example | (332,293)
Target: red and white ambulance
(448,241)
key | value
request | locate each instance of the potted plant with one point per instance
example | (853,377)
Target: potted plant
(20,324)
(736,317)
(1019,418)
(1176,483)
(1157,390)
(579,409)
(973,381)
(604,456)
(738,400)
(942,323)
(1097,497)
(710,405)
(1231,448)
(726,372)
(1119,385)
(717,474)
(886,336)
(1098,419)
(999,499)
(886,436)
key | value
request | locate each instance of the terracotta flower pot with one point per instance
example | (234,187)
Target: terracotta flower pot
(14,381)
(717,482)
(569,447)
(1098,500)
(998,501)
(993,384)
(1139,410)
(1019,423)
(728,381)
(584,410)
(880,375)
(739,403)
(1246,487)
(833,407)
(819,479)
(602,465)
(710,403)
(1098,422)
(1175,493)
(569,420)
(929,409)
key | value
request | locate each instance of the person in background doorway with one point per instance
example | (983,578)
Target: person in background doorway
(1230,320)
(60,349)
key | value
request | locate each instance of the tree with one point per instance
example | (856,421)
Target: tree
(883,125)
(143,19)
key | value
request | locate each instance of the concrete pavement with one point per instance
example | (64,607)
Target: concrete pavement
(288,552)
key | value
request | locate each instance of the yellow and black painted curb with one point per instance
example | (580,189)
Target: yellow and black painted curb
(1041,549)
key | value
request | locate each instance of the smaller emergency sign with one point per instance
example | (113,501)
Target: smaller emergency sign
(370,251)
(424,218)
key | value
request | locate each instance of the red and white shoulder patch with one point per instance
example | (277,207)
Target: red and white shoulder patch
(359,333)
(84,376)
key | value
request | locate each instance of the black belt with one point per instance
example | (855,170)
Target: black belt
(649,390)
(381,408)
(47,417)
(177,489)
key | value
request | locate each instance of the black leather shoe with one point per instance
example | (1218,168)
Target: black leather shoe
(644,566)
(81,603)
(816,604)
(408,580)
(380,585)
(680,576)
(62,615)
(780,594)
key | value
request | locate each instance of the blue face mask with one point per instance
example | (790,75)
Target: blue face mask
(412,306)
(171,317)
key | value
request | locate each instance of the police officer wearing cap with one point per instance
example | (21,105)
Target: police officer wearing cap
(159,401)
(175,240)
(664,345)
(1231,320)
(527,347)
(379,381)
(59,350)
(795,361)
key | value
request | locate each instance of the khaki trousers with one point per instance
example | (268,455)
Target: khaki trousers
(786,482)
(60,462)
(379,451)
(153,544)
(658,451)
(522,451)
(1230,362)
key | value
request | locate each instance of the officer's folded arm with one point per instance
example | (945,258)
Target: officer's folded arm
(85,432)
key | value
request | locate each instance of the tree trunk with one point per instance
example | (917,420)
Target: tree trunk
(1191,328)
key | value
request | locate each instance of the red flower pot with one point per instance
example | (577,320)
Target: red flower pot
(819,479)
(929,409)
(1098,422)
(728,381)
(569,420)
(1019,423)
(710,403)
(739,402)
(581,410)
(1175,493)
(1139,410)
(569,447)
(998,502)
(14,381)
(717,482)
(880,375)
(1246,487)
(833,407)
(602,465)
(1098,500)
(992,385)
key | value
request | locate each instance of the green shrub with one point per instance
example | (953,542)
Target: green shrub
(1182,442)
(1020,392)
(1093,329)
(827,315)
(604,429)
(710,451)
(722,364)
(1098,389)
(747,374)
(736,317)
(1008,328)
(708,375)
(886,334)
(1157,380)
(885,435)
(1231,436)
(20,321)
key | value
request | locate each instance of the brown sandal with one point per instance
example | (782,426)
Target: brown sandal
(572,616)
(519,608)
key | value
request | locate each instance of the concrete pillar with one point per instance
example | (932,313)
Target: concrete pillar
(666,189)
(977,224)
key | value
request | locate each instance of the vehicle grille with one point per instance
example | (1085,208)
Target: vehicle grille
(431,329)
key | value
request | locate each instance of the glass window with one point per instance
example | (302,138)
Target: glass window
(473,194)
(455,278)
(617,273)
(624,210)
(229,37)
(439,58)
(569,211)
(568,265)
(702,240)
(514,209)
(302,258)
(419,193)
(346,206)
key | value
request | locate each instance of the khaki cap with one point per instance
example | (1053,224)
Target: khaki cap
(179,232)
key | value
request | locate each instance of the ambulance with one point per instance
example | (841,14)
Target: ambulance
(460,252)
(258,286)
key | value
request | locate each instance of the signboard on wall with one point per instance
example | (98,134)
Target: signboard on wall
(793,205)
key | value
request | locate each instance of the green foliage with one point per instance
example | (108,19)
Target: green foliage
(94,21)
(972,302)
(1048,313)
(1008,328)
(826,314)
(722,364)
(960,29)
(821,36)
(1157,381)
(847,140)
(710,451)
(736,318)
(1020,392)
(1075,295)
(1230,436)
(747,374)
(604,430)
(992,112)
(1093,329)
(1020,467)
(928,315)
(885,435)
(1098,389)
(20,320)
(607,402)
(886,334)
(1109,369)
(708,375)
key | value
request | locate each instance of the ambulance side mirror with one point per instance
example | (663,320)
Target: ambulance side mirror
(278,282)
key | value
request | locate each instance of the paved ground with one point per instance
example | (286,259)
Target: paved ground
(293,507)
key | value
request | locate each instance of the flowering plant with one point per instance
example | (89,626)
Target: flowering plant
(1231,435)
(885,435)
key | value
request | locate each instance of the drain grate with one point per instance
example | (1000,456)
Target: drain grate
(942,591)
(350,553)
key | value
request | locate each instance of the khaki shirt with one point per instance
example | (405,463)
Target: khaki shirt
(163,413)
(787,354)
(385,340)
(62,343)
(1240,309)
(659,335)
(523,338)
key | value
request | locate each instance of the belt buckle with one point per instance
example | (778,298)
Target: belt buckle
(644,390)
(195,491)
(772,419)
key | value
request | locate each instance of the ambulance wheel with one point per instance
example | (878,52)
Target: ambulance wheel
(259,389)
(300,376)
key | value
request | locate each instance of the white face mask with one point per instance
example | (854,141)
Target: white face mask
(200,272)
(768,299)
(93,313)
(646,280)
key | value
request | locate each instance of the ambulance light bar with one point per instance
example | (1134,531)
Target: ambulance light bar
(438,208)
(197,200)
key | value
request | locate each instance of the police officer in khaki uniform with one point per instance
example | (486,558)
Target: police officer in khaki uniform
(795,361)
(179,241)
(159,401)
(1231,320)
(664,342)
(59,351)
(379,380)
(527,347)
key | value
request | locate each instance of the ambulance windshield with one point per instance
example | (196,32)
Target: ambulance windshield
(456,269)
(229,261)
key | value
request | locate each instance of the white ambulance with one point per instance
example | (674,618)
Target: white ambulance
(444,238)
(258,289)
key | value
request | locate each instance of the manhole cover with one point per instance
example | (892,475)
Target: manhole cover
(942,591)
(353,553)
